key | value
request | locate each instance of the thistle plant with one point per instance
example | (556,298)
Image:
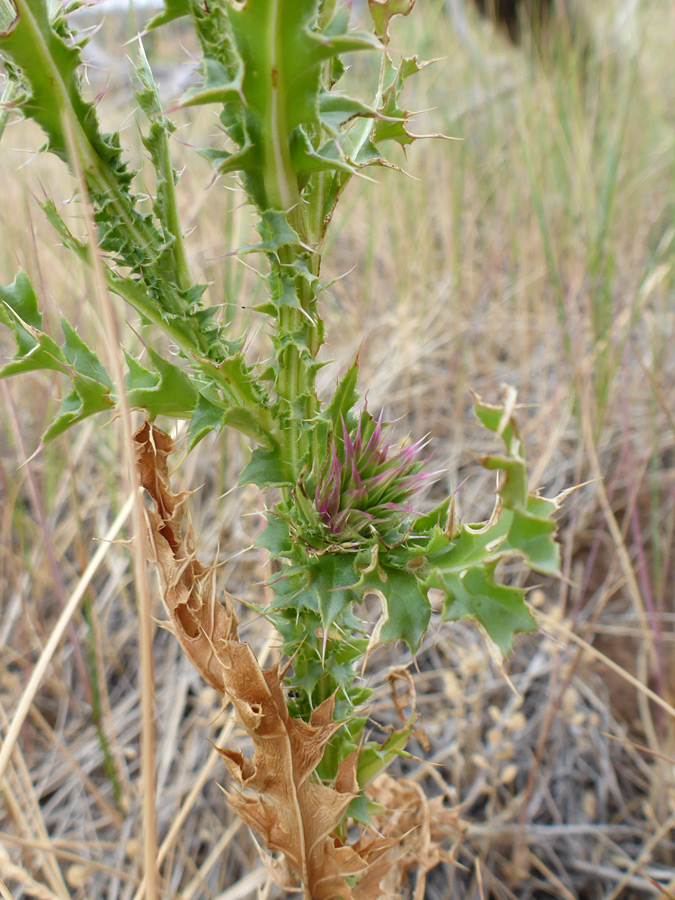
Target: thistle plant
(343,517)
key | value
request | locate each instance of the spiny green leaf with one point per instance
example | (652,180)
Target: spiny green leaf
(275,232)
(472,544)
(406,610)
(206,417)
(271,82)
(37,350)
(20,297)
(323,583)
(307,159)
(336,110)
(276,537)
(333,577)
(344,398)
(34,349)
(307,674)
(86,400)
(499,609)
(533,535)
(217,87)
(138,377)
(300,267)
(392,124)
(82,358)
(282,293)
(461,560)
(243,160)
(48,66)
(51,66)
(164,390)
(239,384)
(172,395)
(172,261)
(374,758)
(266,468)
(361,810)
(46,60)
(500,418)
(246,421)
(289,53)
(366,154)
(436,518)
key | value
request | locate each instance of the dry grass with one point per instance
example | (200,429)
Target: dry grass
(538,251)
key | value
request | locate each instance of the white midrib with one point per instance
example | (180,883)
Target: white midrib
(285,190)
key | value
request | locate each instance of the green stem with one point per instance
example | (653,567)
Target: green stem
(290,383)
(294,379)
(170,203)
(281,189)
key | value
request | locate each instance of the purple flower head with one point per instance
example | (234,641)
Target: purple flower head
(362,483)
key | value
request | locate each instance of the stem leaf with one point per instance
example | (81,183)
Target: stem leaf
(499,609)
(266,468)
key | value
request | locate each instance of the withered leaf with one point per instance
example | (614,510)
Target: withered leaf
(198,619)
(420,827)
(293,814)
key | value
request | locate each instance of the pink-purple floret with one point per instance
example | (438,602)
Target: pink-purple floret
(362,483)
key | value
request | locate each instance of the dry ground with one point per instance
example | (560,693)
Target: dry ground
(536,251)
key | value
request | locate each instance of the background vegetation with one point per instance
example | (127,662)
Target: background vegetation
(538,251)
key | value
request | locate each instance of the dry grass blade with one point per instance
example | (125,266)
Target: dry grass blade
(562,629)
(21,798)
(55,637)
(617,536)
(16,873)
(643,857)
(66,855)
(110,339)
(245,886)
(219,849)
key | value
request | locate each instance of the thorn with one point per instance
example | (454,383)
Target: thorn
(33,455)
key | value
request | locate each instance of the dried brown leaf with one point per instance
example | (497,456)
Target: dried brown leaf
(198,620)
(293,814)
